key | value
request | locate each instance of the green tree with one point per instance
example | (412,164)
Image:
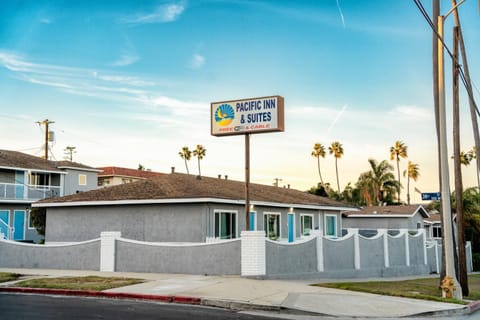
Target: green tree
(412,172)
(38,218)
(186,155)
(318,151)
(399,150)
(336,149)
(200,153)
(378,184)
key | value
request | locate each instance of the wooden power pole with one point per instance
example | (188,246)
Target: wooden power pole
(46,122)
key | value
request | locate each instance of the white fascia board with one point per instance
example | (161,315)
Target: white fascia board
(80,169)
(380,216)
(32,170)
(19,201)
(185,200)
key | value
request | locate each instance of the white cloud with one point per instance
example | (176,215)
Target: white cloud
(411,113)
(46,20)
(197,61)
(125,60)
(162,14)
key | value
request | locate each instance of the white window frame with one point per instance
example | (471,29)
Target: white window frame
(279,223)
(301,222)
(437,227)
(218,211)
(29,226)
(80,176)
(325,224)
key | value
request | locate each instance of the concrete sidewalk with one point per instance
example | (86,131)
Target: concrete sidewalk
(239,293)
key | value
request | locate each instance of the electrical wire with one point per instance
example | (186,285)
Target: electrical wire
(457,65)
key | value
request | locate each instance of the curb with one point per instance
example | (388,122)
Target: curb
(105,294)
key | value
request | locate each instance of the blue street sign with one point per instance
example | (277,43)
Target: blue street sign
(431,195)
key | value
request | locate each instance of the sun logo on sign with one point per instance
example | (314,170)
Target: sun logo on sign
(224,114)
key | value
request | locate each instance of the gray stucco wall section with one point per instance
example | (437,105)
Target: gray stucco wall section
(212,259)
(396,251)
(84,256)
(152,223)
(416,250)
(338,255)
(291,258)
(432,259)
(371,253)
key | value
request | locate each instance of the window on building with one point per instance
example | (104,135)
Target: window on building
(82,179)
(331,225)
(436,231)
(226,224)
(306,224)
(39,179)
(271,223)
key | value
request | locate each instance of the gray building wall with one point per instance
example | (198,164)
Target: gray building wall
(221,258)
(150,222)
(84,256)
(30,233)
(396,251)
(383,222)
(72,181)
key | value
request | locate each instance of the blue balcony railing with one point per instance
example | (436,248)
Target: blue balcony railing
(14,191)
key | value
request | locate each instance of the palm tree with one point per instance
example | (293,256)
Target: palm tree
(399,150)
(378,184)
(412,172)
(199,152)
(318,151)
(186,155)
(337,150)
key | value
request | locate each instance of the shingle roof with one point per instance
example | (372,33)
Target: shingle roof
(182,186)
(405,210)
(15,159)
(126,172)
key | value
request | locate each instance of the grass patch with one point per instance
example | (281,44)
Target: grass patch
(93,283)
(427,289)
(7,276)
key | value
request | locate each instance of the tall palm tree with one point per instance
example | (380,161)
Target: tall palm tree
(186,155)
(199,152)
(336,149)
(412,172)
(399,150)
(318,151)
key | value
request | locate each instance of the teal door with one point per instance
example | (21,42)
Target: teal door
(19,225)
(291,227)
(4,220)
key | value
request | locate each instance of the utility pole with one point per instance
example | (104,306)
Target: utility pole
(45,122)
(444,172)
(69,151)
(277,180)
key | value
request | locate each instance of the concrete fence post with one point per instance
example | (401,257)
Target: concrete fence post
(425,254)
(407,246)
(386,258)
(253,253)
(319,238)
(356,246)
(107,250)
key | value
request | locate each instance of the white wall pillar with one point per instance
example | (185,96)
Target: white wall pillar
(356,246)
(107,250)
(318,234)
(425,254)
(386,258)
(253,259)
(407,246)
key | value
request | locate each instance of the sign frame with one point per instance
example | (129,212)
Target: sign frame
(277,112)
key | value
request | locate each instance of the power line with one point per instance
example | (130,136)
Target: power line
(457,65)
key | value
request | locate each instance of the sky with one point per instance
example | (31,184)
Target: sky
(131,82)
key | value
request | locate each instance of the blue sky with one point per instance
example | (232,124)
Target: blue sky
(131,82)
